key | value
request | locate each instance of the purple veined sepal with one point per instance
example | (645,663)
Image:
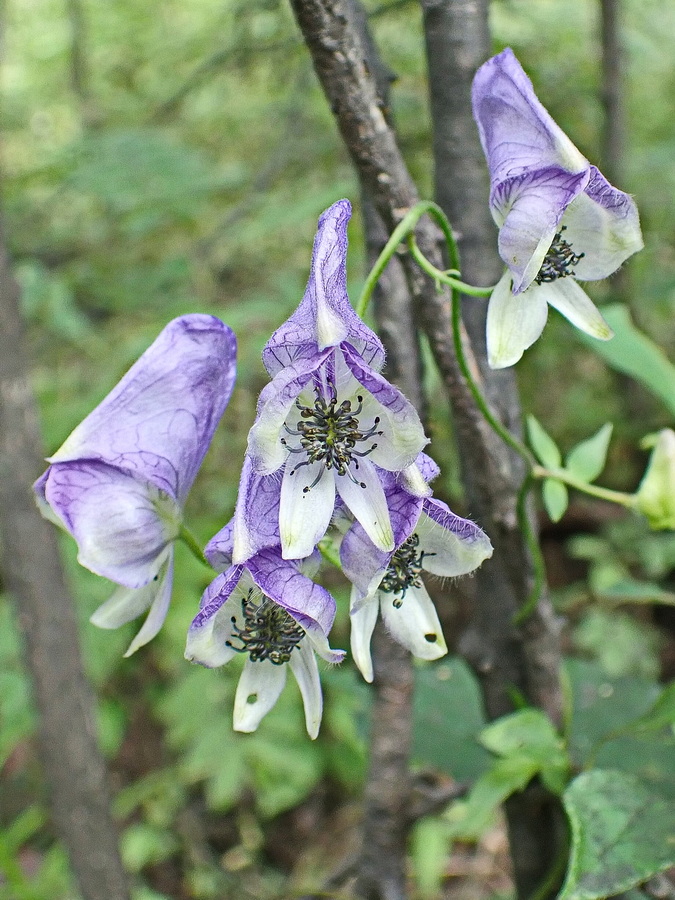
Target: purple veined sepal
(271,612)
(558,217)
(325,317)
(118,483)
(332,423)
(429,537)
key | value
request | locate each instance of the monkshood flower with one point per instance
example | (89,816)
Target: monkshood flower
(271,612)
(557,215)
(429,537)
(119,482)
(328,421)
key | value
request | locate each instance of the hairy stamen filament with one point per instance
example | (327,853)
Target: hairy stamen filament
(268,632)
(404,570)
(558,261)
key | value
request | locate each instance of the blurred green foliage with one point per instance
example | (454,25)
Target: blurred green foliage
(169,157)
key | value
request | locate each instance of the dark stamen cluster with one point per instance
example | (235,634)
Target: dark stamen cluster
(405,568)
(329,433)
(268,632)
(558,261)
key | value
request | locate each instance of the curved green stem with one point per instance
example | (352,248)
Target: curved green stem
(399,234)
(190,541)
(620,497)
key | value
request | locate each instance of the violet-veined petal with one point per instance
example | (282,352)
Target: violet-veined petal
(528,208)
(260,686)
(402,435)
(211,628)
(121,524)
(367,502)
(306,507)
(363,618)
(363,563)
(573,302)
(276,400)
(157,423)
(303,666)
(602,222)
(415,623)
(451,545)
(312,607)
(516,131)
(325,317)
(218,551)
(256,517)
(514,322)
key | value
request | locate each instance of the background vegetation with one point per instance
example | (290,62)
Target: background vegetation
(169,157)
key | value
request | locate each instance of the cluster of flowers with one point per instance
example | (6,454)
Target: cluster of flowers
(334,444)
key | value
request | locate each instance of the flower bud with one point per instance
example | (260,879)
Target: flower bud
(656,494)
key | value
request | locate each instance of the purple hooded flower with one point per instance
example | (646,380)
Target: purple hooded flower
(328,419)
(119,482)
(428,537)
(271,612)
(557,215)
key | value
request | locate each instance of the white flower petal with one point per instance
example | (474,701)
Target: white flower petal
(367,502)
(304,667)
(259,688)
(449,553)
(573,302)
(363,618)
(304,515)
(415,623)
(514,322)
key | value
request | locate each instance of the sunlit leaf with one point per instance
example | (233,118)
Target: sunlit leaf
(587,460)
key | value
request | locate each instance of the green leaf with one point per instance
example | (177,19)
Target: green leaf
(603,705)
(587,460)
(529,734)
(630,351)
(469,818)
(622,834)
(555,497)
(661,715)
(448,715)
(544,446)
(144,844)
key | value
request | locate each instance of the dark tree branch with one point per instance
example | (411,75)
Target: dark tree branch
(32,573)
(504,656)
(458,41)
(613,130)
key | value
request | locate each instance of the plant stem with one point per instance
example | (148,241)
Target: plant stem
(190,541)
(620,497)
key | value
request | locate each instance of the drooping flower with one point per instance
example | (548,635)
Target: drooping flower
(558,217)
(429,537)
(328,420)
(119,482)
(274,614)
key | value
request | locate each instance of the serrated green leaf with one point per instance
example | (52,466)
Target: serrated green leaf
(587,460)
(630,351)
(545,448)
(622,833)
(555,497)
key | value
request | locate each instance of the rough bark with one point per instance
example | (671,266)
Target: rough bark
(458,41)
(32,573)
(381,869)
(505,656)
(613,129)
